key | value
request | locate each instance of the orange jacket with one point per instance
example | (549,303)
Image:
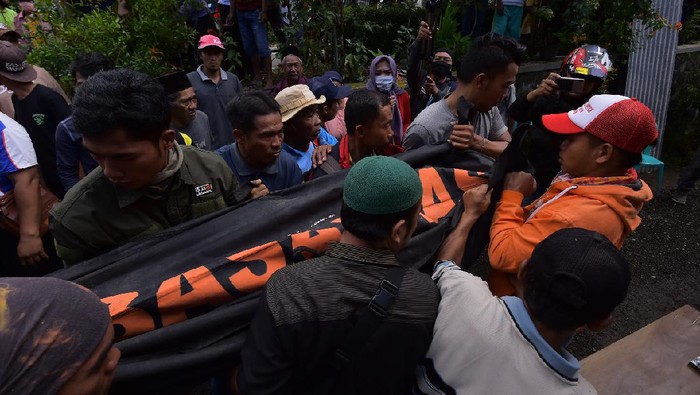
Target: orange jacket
(612,210)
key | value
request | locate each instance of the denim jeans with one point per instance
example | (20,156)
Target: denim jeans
(253,33)
(509,23)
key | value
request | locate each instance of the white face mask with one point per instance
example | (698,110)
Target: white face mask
(384,82)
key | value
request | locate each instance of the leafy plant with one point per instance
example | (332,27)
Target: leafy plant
(609,24)
(348,37)
(682,135)
(691,29)
(152,40)
(449,35)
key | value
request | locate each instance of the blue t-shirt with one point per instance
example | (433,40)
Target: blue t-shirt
(303,158)
(284,173)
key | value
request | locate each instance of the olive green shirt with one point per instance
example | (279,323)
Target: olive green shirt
(97,215)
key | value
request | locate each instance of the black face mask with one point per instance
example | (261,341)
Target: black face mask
(440,69)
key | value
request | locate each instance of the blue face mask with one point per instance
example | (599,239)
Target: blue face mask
(384,82)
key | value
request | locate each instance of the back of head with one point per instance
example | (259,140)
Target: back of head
(362,108)
(90,63)
(121,99)
(49,328)
(243,109)
(490,54)
(574,277)
(378,192)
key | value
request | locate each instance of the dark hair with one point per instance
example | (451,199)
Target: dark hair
(446,50)
(373,227)
(90,63)
(563,296)
(121,99)
(490,54)
(363,107)
(244,108)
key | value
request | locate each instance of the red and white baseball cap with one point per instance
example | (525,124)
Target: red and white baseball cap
(210,41)
(621,121)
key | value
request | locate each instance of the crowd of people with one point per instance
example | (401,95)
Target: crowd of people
(131,155)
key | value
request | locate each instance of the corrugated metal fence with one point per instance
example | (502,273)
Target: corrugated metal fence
(651,66)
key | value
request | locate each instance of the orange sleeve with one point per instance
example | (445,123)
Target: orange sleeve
(513,239)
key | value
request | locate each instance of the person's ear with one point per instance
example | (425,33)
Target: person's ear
(481,80)
(112,360)
(168,138)
(360,132)
(399,233)
(604,153)
(238,135)
(600,324)
(521,270)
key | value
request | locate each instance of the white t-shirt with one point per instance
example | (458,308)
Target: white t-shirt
(16,151)
(488,345)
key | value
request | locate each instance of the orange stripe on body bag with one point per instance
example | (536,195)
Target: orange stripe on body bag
(174,297)
(133,321)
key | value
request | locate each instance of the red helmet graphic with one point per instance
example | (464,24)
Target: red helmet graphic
(587,60)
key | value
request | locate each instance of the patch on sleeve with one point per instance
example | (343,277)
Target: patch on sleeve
(203,190)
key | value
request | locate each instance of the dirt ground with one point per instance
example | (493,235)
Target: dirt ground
(664,254)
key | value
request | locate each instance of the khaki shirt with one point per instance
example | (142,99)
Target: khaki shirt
(96,215)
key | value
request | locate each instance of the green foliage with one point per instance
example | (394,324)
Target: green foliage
(150,40)
(691,29)
(233,56)
(449,35)
(387,29)
(682,133)
(608,24)
(350,37)
(322,24)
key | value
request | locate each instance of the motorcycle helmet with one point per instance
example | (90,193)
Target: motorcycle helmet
(587,60)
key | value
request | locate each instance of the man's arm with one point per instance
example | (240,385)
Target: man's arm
(498,137)
(463,137)
(414,137)
(512,238)
(413,69)
(67,157)
(476,202)
(30,249)
(493,148)
(233,192)
(525,107)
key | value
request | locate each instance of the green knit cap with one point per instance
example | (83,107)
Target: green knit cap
(381,185)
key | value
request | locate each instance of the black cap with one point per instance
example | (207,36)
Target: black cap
(175,82)
(580,269)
